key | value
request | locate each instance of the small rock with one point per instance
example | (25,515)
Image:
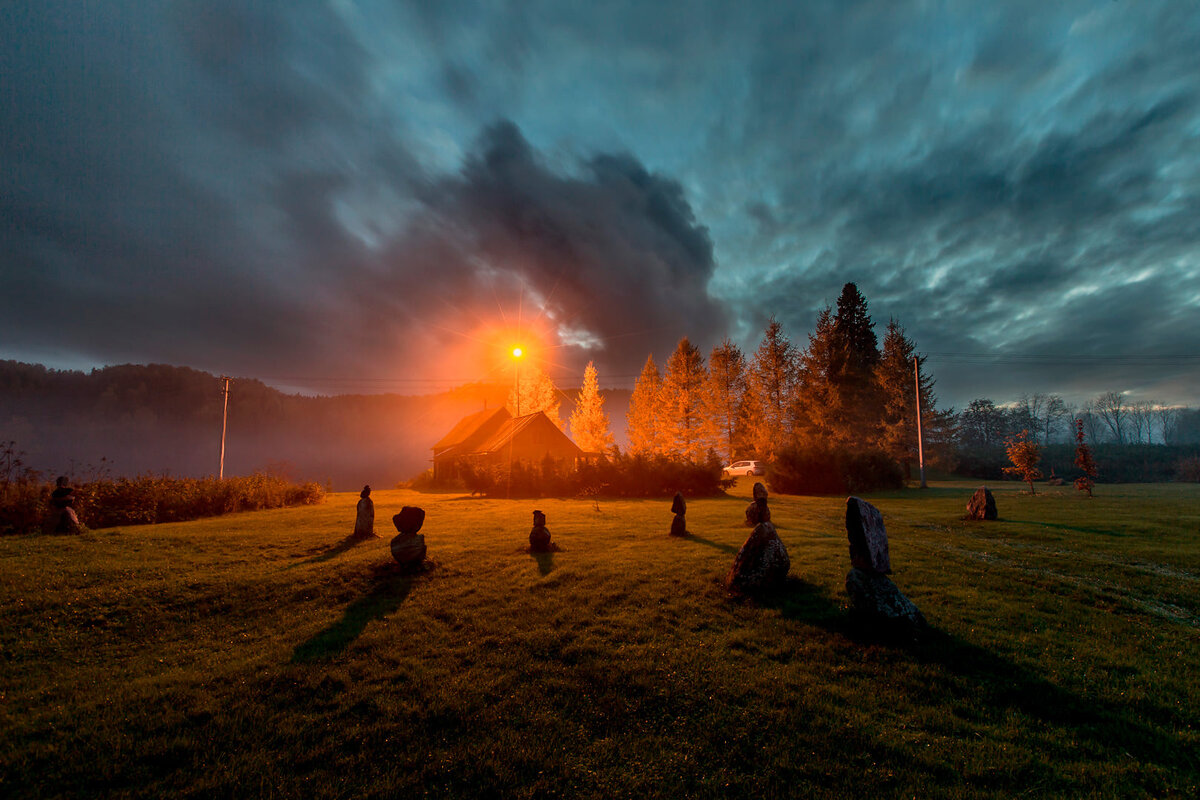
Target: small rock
(761,565)
(868,537)
(982,505)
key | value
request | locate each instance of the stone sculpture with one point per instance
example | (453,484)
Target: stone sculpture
(364,522)
(539,537)
(408,548)
(982,505)
(762,563)
(679,509)
(874,598)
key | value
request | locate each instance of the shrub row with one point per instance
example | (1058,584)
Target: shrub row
(617,476)
(1116,463)
(151,499)
(820,470)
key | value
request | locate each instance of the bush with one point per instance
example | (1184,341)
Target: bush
(821,470)
(1188,469)
(618,476)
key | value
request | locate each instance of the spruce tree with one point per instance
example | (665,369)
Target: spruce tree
(857,409)
(589,423)
(642,418)
(771,381)
(725,395)
(681,420)
(814,407)
(896,383)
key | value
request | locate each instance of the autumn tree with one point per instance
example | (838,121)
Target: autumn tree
(1025,455)
(724,395)
(682,426)
(1083,460)
(771,390)
(537,393)
(589,423)
(642,418)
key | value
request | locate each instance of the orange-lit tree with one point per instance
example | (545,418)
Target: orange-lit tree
(537,393)
(771,386)
(682,425)
(1084,460)
(589,423)
(642,418)
(724,395)
(1025,455)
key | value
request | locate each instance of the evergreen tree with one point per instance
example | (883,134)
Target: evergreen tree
(857,409)
(589,423)
(771,385)
(894,377)
(538,393)
(724,396)
(682,427)
(642,418)
(813,412)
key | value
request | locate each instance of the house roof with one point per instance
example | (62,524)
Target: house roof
(514,427)
(472,429)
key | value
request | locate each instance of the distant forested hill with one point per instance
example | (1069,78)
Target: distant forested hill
(165,419)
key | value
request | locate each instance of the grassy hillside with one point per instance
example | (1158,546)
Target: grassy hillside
(260,655)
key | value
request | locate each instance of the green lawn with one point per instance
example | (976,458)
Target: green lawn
(259,655)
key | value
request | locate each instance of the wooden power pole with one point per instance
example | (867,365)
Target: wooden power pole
(920,437)
(224,418)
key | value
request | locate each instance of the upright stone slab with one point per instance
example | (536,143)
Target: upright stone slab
(679,509)
(761,565)
(539,537)
(408,548)
(982,505)
(868,537)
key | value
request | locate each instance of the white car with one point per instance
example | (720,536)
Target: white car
(745,468)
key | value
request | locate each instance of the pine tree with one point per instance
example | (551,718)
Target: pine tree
(857,409)
(538,393)
(589,423)
(771,383)
(724,396)
(814,407)
(894,377)
(642,418)
(682,427)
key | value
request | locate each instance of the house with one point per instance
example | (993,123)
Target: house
(494,437)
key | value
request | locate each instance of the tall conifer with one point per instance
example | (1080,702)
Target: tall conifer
(771,381)
(681,420)
(642,417)
(724,396)
(589,423)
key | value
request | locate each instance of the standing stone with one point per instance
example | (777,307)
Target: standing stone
(761,565)
(982,505)
(757,511)
(364,522)
(539,537)
(868,537)
(679,509)
(873,596)
(408,548)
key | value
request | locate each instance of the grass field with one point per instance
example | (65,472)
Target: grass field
(261,655)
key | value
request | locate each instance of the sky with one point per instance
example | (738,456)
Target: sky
(339,196)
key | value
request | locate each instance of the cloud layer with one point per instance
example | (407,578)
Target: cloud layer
(333,193)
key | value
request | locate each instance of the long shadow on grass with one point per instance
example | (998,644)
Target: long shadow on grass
(988,686)
(724,548)
(1061,527)
(389,588)
(335,550)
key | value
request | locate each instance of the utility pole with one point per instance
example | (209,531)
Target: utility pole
(224,418)
(920,437)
